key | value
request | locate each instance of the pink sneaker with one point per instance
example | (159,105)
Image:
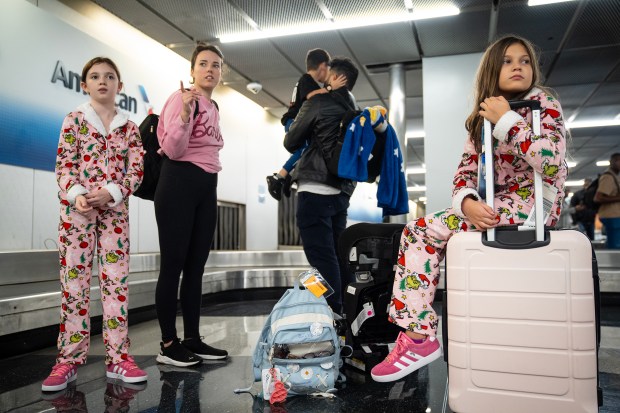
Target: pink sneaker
(61,375)
(127,371)
(406,358)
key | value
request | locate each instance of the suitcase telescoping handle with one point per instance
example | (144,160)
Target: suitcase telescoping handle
(534,106)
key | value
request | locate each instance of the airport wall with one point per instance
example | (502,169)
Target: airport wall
(40,84)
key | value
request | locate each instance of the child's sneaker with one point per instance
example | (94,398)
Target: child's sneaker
(406,358)
(274,184)
(196,346)
(61,375)
(286,186)
(177,355)
(126,371)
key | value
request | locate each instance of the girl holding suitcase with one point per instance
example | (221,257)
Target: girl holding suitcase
(509,70)
(98,165)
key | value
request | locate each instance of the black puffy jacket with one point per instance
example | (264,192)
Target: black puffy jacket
(318,123)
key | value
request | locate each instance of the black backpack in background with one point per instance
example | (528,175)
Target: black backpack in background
(152,160)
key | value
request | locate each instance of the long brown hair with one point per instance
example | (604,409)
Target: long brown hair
(487,81)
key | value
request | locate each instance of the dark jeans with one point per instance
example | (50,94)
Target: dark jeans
(321,219)
(186,213)
(587,228)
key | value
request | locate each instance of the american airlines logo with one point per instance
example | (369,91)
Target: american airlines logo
(71,80)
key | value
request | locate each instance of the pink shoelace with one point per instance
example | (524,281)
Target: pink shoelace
(61,370)
(128,364)
(400,348)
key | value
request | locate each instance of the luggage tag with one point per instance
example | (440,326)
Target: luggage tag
(269,377)
(367,312)
(314,282)
(549,194)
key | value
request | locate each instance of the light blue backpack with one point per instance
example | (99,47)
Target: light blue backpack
(299,339)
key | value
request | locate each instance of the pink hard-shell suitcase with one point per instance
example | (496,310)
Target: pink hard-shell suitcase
(521,315)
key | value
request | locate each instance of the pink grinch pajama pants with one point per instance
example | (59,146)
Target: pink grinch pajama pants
(107,231)
(422,248)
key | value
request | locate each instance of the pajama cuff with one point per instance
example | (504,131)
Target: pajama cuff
(457,200)
(73,193)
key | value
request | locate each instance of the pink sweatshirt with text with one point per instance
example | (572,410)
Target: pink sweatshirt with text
(199,141)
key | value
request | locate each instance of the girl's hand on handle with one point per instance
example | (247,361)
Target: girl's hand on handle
(81,204)
(480,214)
(188,96)
(493,108)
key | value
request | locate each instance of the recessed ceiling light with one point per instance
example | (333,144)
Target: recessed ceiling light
(543,2)
(341,24)
(593,123)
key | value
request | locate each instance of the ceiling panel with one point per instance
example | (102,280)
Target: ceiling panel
(465,33)
(571,68)
(544,25)
(271,14)
(145,20)
(607,94)
(296,47)
(261,61)
(369,44)
(598,24)
(354,9)
(574,96)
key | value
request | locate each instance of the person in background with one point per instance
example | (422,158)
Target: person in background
(98,166)
(608,196)
(323,198)
(186,206)
(309,84)
(584,211)
(509,70)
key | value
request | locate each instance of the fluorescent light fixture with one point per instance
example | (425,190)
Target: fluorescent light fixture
(429,13)
(422,199)
(415,134)
(571,164)
(417,188)
(593,123)
(574,183)
(416,170)
(602,163)
(542,2)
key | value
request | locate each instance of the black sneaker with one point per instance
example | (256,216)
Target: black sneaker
(274,184)
(286,187)
(203,350)
(177,355)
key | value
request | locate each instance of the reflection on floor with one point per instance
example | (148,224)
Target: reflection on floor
(209,388)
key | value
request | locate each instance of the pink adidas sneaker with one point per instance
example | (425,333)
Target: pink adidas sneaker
(61,375)
(406,358)
(126,371)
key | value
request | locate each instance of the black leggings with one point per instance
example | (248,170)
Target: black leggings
(186,213)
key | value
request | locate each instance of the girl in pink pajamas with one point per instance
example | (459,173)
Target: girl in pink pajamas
(509,70)
(98,165)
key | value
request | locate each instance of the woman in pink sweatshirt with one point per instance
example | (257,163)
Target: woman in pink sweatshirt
(186,206)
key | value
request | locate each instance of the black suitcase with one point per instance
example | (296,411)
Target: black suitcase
(369,252)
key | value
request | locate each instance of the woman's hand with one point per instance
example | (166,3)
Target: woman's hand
(99,198)
(493,108)
(479,214)
(81,204)
(188,96)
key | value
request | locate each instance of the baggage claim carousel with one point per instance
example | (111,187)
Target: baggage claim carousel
(240,289)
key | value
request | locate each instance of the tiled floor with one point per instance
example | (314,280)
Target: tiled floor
(209,388)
